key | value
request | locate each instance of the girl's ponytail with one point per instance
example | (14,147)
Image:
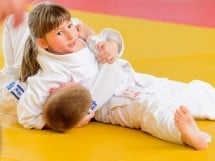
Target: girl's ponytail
(30,65)
(43,18)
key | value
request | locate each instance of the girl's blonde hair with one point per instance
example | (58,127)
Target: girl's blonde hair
(43,18)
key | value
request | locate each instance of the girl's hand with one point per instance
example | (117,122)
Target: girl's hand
(85,120)
(107,51)
(85,31)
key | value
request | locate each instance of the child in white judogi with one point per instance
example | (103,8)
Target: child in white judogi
(137,101)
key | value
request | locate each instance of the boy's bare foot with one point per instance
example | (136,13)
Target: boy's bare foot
(190,133)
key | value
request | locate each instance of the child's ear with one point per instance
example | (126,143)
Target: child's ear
(42,43)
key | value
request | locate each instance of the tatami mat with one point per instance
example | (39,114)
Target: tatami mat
(180,52)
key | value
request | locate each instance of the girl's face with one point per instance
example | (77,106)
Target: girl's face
(63,39)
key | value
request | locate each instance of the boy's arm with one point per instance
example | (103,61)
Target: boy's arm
(85,120)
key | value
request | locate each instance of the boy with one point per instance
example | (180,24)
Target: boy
(67,106)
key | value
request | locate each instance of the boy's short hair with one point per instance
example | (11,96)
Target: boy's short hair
(66,107)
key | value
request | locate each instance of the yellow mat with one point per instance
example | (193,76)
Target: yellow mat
(175,51)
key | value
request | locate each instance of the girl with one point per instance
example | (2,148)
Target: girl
(54,54)
(13,46)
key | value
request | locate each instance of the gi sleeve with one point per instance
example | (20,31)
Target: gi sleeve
(105,35)
(30,105)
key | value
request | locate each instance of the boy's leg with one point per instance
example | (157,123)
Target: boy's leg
(190,133)
(154,117)
(158,120)
(199,98)
(166,121)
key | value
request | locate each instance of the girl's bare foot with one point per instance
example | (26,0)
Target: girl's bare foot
(190,133)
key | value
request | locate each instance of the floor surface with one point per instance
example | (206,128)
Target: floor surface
(175,50)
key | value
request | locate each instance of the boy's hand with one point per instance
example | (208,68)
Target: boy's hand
(107,51)
(85,120)
(85,31)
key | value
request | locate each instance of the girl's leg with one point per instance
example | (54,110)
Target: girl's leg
(13,44)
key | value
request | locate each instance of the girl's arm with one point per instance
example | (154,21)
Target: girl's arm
(107,46)
(107,51)
(30,105)
(29,109)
